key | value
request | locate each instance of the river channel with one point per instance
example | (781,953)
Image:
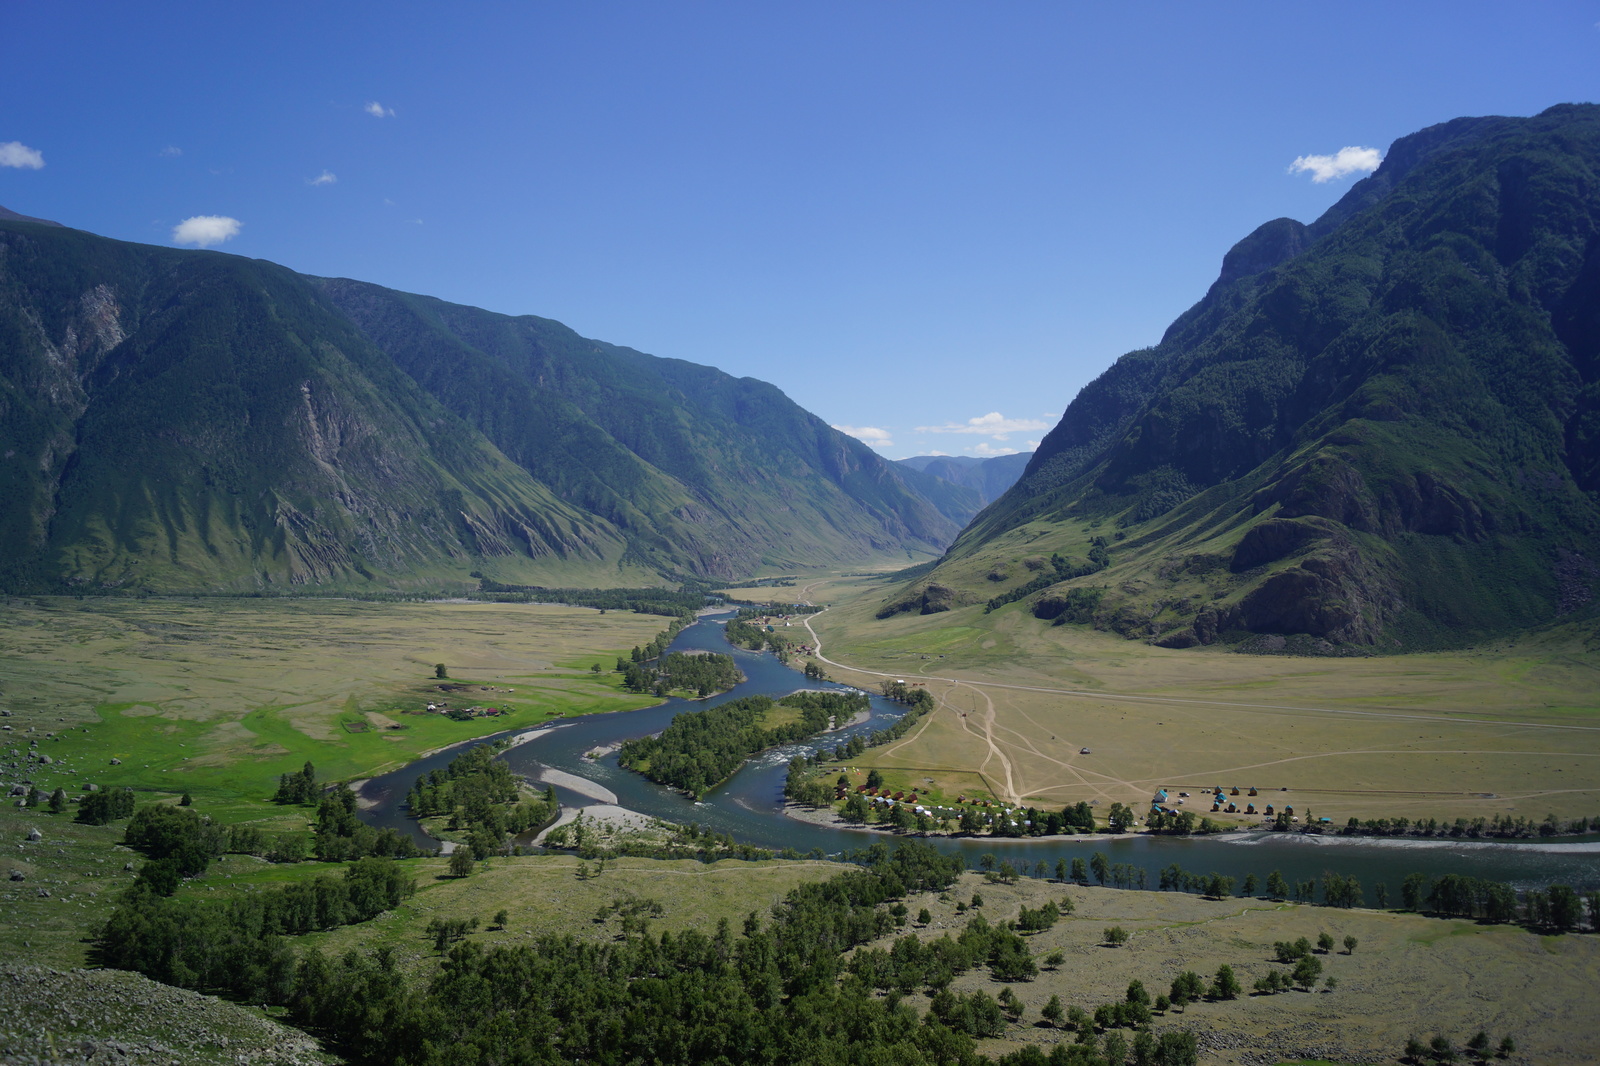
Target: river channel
(750,805)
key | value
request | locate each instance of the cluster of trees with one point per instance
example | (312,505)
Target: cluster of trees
(340,835)
(702,674)
(911,963)
(1061,569)
(236,946)
(1504,827)
(687,599)
(299,787)
(480,794)
(771,994)
(700,749)
(107,806)
(1181,823)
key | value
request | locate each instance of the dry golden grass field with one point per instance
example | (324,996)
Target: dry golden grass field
(1509,729)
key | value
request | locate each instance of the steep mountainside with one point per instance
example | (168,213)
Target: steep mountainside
(714,474)
(1379,429)
(192,420)
(989,478)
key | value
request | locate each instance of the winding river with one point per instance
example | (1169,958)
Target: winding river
(750,805)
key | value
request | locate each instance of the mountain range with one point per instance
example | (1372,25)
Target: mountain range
(1379,430)
(181,420)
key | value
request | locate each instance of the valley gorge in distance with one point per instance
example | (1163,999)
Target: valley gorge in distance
(1250,718)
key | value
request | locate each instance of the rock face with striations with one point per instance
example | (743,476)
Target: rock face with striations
(1381,429)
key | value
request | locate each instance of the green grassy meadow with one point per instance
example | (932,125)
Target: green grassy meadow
(220,696)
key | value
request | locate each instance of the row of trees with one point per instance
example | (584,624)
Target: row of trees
(1506,827)
(1061,569)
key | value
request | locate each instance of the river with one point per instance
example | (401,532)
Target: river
(750,805)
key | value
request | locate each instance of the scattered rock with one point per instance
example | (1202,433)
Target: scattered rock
(18,875)
(116,762)
(45,892)
(34,834)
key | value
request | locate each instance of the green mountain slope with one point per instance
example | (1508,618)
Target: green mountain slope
(701,471)
(192,420)
(1380,429)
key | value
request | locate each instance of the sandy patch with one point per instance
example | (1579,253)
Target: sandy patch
(574,783)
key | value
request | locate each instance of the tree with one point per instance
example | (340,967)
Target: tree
(500,918)
(1416,1051)
(1052,1012)
(1324,942)
(1116,936)
(1277,887)
(1061,870)
(1186,988)
(1350,943)
(1226,985)
(1250,885)
(924,917)
(1380,891)
(439,671)
(1306,971)
(1177,1049)
(1101,867)
(1442,1049)
(461,862)
(1508,1047)
(1054,960)
(58,801)
(1080,871)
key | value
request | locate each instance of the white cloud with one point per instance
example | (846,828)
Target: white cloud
(993,424)
(377,110)
(205,230)
(170,150)
(987,450)
(1347,161)
(871,435)
(16,154)
(327,177)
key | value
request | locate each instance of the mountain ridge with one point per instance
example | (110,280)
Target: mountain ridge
(1374,431)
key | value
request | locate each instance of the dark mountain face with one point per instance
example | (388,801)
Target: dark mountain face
(189,420)
(1378,429)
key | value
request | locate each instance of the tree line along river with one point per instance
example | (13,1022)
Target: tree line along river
(750,805)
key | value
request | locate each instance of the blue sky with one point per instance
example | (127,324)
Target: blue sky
(929,222)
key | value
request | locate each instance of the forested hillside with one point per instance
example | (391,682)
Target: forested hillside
(1378,430)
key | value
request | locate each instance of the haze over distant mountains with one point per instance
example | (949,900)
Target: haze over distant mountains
(179,420)
(1378,430)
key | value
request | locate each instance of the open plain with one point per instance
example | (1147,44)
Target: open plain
(1509,729)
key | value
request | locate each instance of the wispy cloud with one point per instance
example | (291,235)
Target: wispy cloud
(984,448)
(170,151)
(871,435)
(377,110)
(1344,162)
(993,424)
(16,154)
(205,230)
(327,177)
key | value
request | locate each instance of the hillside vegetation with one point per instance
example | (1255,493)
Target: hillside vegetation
(1378,431)
(178,420)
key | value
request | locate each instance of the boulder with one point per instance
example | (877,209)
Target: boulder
(34,834)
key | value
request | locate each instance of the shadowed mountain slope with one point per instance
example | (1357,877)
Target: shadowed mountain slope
(1382,429)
